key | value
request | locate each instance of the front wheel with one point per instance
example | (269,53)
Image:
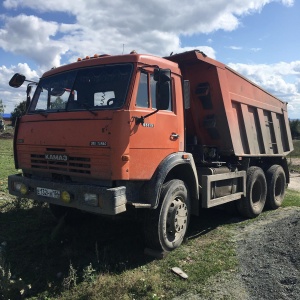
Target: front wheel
(166,226)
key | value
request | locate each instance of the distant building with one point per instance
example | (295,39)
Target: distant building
(6,119)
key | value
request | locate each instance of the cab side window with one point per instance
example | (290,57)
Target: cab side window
(147,81)
(142,99)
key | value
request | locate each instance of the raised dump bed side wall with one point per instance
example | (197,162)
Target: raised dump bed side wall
(231,112)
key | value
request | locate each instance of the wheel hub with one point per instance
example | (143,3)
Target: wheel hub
(177,216)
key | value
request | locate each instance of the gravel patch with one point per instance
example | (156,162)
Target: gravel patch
(269,256)
(268,253)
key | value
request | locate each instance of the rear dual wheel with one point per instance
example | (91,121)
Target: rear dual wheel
(276,181)
(166,226)
(256,192)
(262,189)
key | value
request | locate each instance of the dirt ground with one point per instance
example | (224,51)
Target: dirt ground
(295,181)
(268,253)
(6,135)
(269,261)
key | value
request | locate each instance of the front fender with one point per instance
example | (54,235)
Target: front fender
(179,165)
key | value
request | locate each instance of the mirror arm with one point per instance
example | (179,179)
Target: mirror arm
(28,98)
(31,81)
(140,120)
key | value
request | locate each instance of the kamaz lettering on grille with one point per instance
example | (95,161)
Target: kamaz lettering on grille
(57,157)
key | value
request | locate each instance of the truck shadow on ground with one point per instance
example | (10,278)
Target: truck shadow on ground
(41,251)
(209,219)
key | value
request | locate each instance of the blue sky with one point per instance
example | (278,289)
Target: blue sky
(267,37)
(258,38)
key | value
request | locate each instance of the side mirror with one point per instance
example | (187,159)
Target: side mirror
(163,88)
(17,80)
(57,92)
(162,75)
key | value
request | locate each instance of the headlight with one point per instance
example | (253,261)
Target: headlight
(91,199)
(21,187)
(65,197)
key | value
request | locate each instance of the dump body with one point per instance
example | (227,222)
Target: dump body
(231,112)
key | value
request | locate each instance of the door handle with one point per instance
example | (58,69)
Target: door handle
(174,136)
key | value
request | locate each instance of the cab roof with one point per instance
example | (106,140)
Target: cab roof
(141,59)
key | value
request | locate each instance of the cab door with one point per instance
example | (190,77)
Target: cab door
(158,135)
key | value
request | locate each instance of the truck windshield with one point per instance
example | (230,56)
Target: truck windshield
(97,88)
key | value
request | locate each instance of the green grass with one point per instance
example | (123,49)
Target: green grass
(101,258)
(296,151)
(6,162)
(200,259)
(295,168)
(292,198)
(293,158)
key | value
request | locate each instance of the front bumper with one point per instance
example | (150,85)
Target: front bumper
(110,201)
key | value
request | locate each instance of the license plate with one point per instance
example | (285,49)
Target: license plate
(47,193)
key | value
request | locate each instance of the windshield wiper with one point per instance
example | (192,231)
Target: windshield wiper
(88,108)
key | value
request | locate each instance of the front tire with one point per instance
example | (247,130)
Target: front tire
(276,182)
(166,226)
(256,192)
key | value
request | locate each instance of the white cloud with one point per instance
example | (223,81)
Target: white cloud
(288,2)
(255,49)
(103,26)
(31,36)
(235,47)
(281,79)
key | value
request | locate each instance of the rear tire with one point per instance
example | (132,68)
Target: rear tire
(166,226)
(276,182)
(256,191)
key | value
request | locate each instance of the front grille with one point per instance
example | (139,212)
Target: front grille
(73,165)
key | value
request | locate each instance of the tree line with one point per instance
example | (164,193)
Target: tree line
(295,129)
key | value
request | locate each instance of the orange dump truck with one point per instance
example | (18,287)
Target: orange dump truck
(164,136)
